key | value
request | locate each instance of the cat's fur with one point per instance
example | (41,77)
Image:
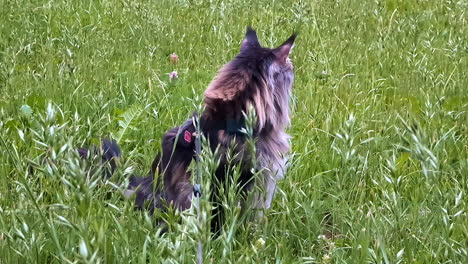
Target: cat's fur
(258,77)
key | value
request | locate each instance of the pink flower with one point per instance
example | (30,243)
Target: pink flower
(174,58)
(173,75)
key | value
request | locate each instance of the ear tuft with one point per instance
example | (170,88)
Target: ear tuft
(282,52)
(250,40)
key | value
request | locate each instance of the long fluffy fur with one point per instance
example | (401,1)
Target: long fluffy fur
(258,77)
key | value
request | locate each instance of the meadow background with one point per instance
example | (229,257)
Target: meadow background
(379,127)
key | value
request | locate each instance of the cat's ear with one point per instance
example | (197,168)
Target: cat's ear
(250,39)
(282,52)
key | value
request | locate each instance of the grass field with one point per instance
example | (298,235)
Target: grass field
(379,126)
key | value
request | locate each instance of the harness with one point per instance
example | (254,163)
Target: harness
(188,134)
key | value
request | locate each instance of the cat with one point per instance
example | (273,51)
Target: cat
(257,77)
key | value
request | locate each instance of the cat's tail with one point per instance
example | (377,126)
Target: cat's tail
(148,193)
(110,154)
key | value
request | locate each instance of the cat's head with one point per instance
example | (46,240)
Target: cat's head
(259,76)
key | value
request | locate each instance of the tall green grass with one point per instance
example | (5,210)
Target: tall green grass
(379,125)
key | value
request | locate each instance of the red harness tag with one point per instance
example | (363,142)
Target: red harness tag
(188,136)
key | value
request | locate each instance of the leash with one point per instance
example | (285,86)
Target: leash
(197,190)
(232,126)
